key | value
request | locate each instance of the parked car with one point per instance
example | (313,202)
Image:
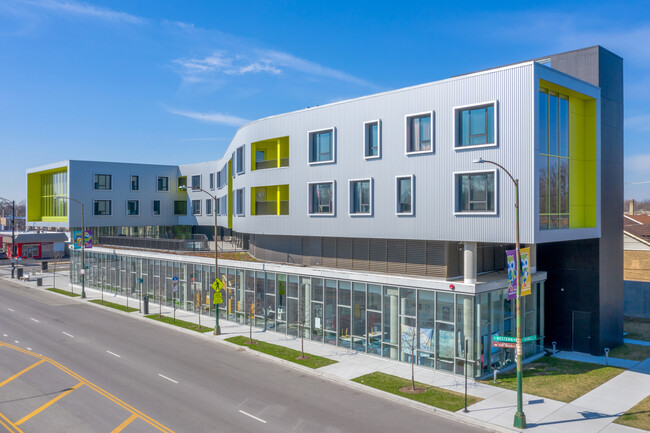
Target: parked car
(3,255)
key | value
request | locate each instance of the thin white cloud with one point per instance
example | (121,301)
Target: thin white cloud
(218,118)
(73,7)
(194,70)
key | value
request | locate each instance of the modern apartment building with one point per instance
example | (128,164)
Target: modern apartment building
(379,222)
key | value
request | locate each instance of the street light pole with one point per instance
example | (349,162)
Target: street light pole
(83,244)
(520,417)
(217,327)
(13,234)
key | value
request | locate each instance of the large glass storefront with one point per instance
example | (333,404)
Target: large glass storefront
(402,323)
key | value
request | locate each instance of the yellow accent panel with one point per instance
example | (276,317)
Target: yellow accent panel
(230,193)
(42,186)
(275,150)
(182,181)
(582,156)
(268,200)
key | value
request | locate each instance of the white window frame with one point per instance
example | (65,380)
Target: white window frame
(199,213)
(102,174)
(365,139)
(98,215)
(213,181)
(315,131)
(242,159)
(455,197)
(406,133)
(333,210)
(411,177)
(190,187)
(211,201)
(456,114)
(157,183)
(153,213)
(131,182)
(243,204)
(126,208)
(372,198)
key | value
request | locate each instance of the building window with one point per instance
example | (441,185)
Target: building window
(240,160)
(196,207)
(361,197)
(102,208)
(372,139)
(163,183)
(208,206)
(180,207)
(475,192)
(181,182)
(156,207)
(223,205)
(196,182)
(404,191)
(553,160)
(239,202)
(135,183)
(211,181)
(133,207)
(321,198)
(419,133)
(321,146)
(103,181)
(476,125)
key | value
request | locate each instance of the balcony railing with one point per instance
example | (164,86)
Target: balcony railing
(271,163)
(271,207)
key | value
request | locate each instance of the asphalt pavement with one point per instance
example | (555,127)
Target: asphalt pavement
(166,379)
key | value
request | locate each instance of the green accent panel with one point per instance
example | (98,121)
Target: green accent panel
(42,187)
(182,181)
(582,156)
(275,150)
(230,193)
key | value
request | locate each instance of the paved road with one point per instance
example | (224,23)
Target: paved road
(185,383)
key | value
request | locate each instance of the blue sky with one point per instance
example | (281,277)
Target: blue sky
(170,82)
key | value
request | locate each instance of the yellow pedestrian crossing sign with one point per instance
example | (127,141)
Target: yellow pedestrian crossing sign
(217,285)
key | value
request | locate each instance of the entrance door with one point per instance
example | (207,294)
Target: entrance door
(581,331)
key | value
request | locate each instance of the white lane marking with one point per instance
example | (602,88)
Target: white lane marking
(9,309)
(29,348)
(31,318)
(252,416)
(16,341)
(69,335)
(114,354)
(5,335)
(165,377)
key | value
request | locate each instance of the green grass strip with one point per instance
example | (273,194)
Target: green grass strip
(63,292)
(558,379)
(283,352)
(179,323)
(638,416)
(114,305)
(433,396)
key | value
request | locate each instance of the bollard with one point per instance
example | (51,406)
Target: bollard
(607,356)
(554,344)
(495,375)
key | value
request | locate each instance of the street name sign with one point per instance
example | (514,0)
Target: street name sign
(504,344)
(501,338)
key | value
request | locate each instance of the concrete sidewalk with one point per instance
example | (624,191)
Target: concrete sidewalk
(593,412)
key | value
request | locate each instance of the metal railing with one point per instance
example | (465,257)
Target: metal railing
(195,243)
(271,163)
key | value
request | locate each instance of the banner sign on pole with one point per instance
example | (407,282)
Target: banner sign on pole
(87,239)
(512,273)
(525,271)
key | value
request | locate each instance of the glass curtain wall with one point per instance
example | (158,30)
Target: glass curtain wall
(401,323)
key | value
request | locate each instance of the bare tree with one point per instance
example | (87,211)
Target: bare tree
(409,344)
(251,316)
(301,328)
(58,255)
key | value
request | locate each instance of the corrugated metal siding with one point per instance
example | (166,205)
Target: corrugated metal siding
(396,256)
(378,255)
(360,254)
(329,252)
(344,253)
(416,257)
(436,259)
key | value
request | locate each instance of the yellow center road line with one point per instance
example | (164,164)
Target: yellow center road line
(126,422)
(11,427)
(6,381)
(48,404)
(94,387)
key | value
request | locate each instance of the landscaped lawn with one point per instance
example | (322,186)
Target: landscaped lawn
(638,416)
(637,328)
(282,352)
(114,305)
(558,379)
(63,292)
(180,323)
(438,397)
(635,352)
